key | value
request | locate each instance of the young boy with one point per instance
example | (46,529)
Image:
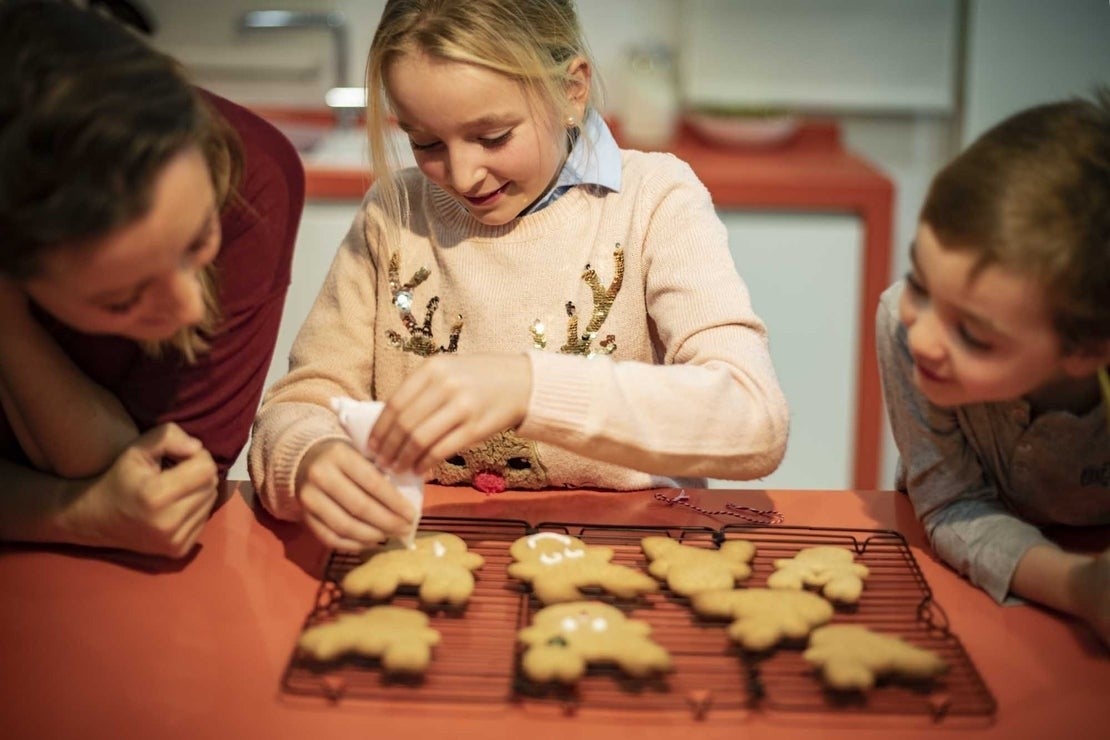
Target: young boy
(991,352)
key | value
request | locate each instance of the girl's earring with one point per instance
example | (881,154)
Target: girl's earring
(572,122)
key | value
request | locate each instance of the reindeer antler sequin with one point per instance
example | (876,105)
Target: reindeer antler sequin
(420,340)
(603,297)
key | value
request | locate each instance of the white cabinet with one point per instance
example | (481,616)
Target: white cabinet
(323,226)
(803,271)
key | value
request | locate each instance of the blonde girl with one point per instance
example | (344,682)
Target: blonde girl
(535,306)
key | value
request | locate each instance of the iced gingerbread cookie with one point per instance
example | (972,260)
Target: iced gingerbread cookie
(438,562)
(830,569)
(564,638)
(558,565)
(688,570)
(853,657)
(400,637)
(762,617)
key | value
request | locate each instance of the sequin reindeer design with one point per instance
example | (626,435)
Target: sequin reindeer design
(506,459)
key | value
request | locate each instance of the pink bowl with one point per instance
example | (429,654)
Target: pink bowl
(744,131)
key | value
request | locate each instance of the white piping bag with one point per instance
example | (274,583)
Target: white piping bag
(357,419)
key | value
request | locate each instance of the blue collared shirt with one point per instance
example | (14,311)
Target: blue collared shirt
(595,159)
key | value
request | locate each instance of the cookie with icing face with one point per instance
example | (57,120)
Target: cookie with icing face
(400,637)
(851,657)
(832,570)
(558,566)
(763,617)
(688,570)
(439,563)
(564,639)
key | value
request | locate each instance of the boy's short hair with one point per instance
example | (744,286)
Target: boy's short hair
(1032,195)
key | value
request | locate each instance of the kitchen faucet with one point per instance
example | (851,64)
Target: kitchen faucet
(333,22)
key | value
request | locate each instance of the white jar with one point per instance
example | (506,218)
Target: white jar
(649,110)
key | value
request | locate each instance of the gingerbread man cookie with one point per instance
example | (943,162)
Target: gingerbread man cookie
(558,565)
(400,637)
(762,617)
(852,657)
(438,562)
(689,570)
(831,569)
(563,639)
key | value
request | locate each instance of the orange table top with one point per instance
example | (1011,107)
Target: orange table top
(99,645)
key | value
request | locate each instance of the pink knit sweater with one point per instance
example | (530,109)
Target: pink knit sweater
(666,376)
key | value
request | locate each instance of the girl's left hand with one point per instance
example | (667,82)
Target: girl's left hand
(450,403)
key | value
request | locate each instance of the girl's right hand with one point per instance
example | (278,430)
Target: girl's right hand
(348,503)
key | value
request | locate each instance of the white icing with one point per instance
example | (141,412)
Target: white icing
(554,558)
(534,538)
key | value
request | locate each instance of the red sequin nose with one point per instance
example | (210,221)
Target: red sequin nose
(488,482)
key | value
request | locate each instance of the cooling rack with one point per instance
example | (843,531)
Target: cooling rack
(478,658)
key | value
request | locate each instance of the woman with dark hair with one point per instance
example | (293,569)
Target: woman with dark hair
(146,237)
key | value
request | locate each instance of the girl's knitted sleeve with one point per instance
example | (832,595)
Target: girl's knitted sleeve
(709,405)
(331,356)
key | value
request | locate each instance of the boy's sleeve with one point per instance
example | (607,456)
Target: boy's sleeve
(967,523)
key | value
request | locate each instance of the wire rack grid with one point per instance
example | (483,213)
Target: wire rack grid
(478,658)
